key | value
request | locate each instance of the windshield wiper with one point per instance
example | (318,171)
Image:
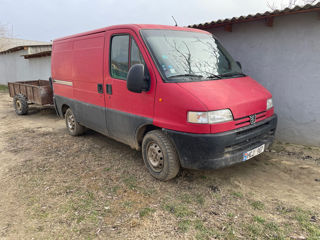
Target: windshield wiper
(186,75)
(232,74)
(214,76)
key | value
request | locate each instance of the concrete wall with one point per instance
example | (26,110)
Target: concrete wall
(285,59)
(14,68)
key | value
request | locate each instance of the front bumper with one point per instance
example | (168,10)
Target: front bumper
(212,151)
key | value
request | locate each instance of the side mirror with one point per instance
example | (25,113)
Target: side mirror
(136,80)
(239,64)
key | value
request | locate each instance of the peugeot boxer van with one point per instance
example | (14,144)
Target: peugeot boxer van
(174,93)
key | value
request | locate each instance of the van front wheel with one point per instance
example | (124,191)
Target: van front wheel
(160,155)
(74,128)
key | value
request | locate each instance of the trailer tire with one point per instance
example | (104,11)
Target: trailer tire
(20,104)
(74,128)
(160,156)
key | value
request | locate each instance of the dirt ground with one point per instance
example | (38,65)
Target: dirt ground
(54,186)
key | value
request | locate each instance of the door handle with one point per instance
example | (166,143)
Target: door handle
(109,89)
(100,88)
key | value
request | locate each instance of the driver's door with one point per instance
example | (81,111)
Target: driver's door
(126,111)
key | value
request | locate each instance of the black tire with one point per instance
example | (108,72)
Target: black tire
(20,104)
(157,145)
(74,128)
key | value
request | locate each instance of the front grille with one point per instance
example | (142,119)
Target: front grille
(245,121)
(254,128)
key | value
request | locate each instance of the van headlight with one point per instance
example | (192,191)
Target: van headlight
(211,117)
(269,103)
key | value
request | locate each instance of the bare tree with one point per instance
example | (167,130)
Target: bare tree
(288,4)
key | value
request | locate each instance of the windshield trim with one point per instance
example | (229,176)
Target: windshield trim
(186,79)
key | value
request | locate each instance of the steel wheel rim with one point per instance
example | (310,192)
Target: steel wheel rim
(71,122)
(18,105)
(155,157)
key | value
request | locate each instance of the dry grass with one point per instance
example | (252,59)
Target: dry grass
(54,186)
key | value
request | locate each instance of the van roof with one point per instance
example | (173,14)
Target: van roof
(135,27)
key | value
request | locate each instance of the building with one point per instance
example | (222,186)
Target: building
(281,50)
(24,60)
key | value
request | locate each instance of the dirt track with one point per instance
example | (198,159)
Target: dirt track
(54,186)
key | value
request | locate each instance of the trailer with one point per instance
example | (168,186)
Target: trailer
(25,93)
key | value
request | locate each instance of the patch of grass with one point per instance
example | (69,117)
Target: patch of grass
(185,198)
(198,225)
(128,204)
(80,219)
(202,231)
(272,229)
(82,208)
(257,205)
(199,199)
(230,215)
(230,234)
(184,225)
(272,226)
(107,169)
(148,191)
(255,230)
(40,213)
(303,218)
(259,219)
(146,211)
(309,148)
(178,210)
(237,194)
(3,88)
(283,209)
(260,227)
(115,189)
(131,182)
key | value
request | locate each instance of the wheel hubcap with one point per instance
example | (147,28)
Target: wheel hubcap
(155,157)
(71,122)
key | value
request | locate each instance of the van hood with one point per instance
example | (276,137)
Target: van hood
(243,96)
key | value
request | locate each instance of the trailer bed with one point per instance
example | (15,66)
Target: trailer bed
(37,92)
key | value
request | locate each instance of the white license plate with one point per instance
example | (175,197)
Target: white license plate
(252,153)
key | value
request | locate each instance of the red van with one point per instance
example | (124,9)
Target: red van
(173,92)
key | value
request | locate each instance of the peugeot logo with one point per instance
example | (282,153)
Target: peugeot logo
(252,119)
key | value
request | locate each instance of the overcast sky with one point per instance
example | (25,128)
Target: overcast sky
(49,19)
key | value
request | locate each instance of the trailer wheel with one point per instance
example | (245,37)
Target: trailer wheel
(20,104)
(74,128)
(160,156)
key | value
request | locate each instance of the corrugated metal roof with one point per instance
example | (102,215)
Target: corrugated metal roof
(258,16)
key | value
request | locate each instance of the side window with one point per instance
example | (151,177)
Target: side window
(119,56)
(135,55)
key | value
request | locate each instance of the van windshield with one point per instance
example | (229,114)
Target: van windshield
(189,56)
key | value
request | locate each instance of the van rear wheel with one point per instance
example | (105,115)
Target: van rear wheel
(160,156)
(74,128)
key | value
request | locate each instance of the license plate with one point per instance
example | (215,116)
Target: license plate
(252,153)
